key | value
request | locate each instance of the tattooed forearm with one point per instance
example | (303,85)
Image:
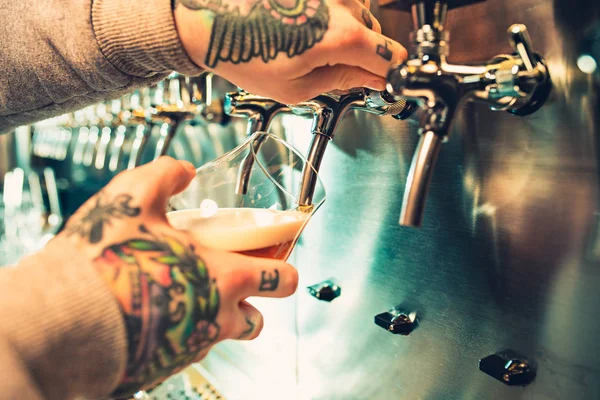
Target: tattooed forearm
(383,50)
(269,281)
(248,331)
(265,29)
(169,302)
(366,16)
(103,210)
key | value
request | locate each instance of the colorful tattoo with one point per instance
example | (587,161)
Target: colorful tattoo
(247,29)
(268,281)
(101,213)
(169,302)
(248,331)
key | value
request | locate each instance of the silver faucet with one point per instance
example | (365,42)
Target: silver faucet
(139,125)
(94,125)
(327,111)
(184,99)
(175,108)
(260,112)
(81,140)
(122,112)
(517,83)
(107,125)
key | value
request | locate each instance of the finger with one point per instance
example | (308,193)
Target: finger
(366,49)
(252,276)
(337,77)
(163,178)
(249,322)
(362,14)
(366,3)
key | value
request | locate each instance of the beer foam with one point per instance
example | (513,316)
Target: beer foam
(240,229)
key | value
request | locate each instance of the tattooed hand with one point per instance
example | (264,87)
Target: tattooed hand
(289,50)
(178,299)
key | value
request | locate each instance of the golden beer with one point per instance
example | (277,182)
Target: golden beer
(256,232)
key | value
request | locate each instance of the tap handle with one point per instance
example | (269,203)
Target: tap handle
(521,42)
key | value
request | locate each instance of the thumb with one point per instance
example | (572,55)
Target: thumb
(336,77)
(168,177)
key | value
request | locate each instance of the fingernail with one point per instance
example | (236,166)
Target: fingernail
(375,84)
(187,165)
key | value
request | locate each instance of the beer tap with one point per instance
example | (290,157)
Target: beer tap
(327,111)
(184,100)
(517,83)
(93,137)
(122,110)
(211,110)
(107,124)
(81,118)
(260,112)
(140,102)
(176,108)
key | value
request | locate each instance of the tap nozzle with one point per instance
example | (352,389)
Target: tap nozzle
(260,112)
(210,109)
(174,106)
(519,84)
(419,177)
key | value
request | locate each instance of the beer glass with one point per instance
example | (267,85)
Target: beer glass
(246,201)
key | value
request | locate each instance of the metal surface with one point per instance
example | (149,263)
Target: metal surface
(507,258)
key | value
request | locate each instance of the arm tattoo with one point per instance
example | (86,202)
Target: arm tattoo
(383,51)
(248,331)
(101,213)
(169,303)
(261,28)
(366,15)
(268,281)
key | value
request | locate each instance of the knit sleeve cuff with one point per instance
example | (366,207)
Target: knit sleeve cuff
(64,322)
(140,37)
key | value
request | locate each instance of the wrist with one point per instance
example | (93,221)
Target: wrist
(194,30)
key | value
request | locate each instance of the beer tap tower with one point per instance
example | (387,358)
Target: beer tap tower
(518,83)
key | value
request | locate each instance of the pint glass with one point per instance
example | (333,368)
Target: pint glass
(247,200)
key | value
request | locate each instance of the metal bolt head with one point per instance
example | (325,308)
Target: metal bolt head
(397,321)
(508,367)
(326,290)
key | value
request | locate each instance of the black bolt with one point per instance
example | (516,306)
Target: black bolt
(396,321)
(509,368)
(326,291)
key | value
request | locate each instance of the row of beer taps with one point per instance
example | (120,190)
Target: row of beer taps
(114,135)
(518,83)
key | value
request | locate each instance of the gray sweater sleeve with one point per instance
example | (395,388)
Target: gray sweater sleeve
(57,56)
(62,334)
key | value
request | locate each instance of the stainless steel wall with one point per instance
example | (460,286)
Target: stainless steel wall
(508,256)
